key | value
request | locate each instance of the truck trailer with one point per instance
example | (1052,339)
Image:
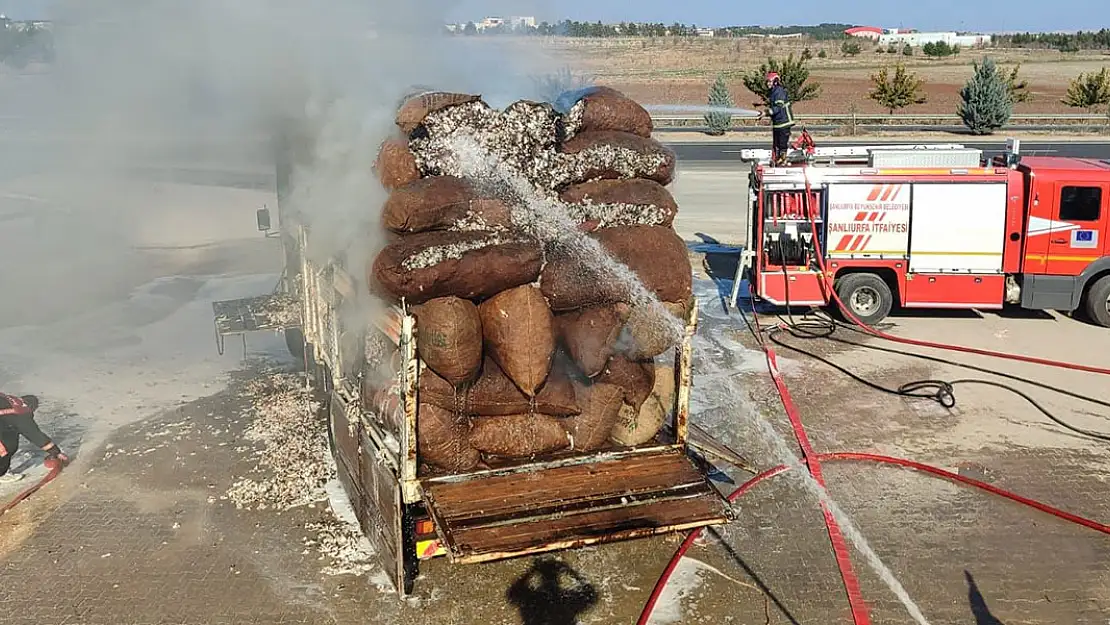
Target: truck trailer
(925,226)
(367,370)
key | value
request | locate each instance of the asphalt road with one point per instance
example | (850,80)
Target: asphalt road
(730,151)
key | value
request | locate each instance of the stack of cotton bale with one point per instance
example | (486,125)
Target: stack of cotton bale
(531,346)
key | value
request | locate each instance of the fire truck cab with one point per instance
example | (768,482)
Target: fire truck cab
(930,227)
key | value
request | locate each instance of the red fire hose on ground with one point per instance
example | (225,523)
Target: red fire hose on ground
(54,466)
(860,613)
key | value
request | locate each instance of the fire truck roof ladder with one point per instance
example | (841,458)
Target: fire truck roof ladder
(858,153)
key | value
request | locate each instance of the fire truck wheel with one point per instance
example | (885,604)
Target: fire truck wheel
(866,296)
(1098,302)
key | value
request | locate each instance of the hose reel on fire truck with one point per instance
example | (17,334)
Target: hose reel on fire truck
(787,231)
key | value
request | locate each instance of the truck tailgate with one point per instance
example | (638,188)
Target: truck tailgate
(507,513)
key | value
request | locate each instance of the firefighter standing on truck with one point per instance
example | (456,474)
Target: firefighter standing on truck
(17,418)
(782,118)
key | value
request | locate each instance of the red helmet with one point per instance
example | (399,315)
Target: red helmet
(772,76)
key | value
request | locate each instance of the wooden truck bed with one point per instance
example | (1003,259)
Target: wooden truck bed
(512,513)
(507,510)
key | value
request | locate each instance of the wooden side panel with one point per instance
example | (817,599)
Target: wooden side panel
(684,372)
(345,433)
(515,513)
(381,519)
(409,384)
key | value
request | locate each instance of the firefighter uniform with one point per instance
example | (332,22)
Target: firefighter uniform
(782,118)
(17,418)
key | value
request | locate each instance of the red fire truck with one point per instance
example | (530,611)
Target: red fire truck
(930,227)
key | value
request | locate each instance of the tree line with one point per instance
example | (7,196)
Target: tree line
(986,100)
(1065,42)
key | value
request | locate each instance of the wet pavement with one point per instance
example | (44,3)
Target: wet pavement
(141,533)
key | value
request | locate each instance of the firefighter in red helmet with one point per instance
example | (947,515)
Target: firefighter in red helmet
(17,418)
(782,117)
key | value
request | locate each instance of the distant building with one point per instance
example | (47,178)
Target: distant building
(866,32)
(490,22)
(916,40)
(706,32)
(513,22)
(526,21)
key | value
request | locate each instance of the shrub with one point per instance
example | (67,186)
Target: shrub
(1019,89)
(896,91)
(986,104)
(719,122)
(794,75)
(1089,91)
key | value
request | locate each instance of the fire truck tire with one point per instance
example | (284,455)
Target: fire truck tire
(1098,302)
(867,297)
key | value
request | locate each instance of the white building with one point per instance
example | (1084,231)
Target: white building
(525,21)
(513,22)
(917,40)
(490,22)
(706,32)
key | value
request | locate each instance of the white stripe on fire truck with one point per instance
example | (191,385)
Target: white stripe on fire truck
(1040,225)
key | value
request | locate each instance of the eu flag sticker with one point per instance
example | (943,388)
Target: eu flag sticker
(1084,238)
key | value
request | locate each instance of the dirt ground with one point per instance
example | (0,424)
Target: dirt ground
(680,71)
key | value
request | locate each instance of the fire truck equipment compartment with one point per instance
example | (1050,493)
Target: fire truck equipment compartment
(870,220)
(958,228)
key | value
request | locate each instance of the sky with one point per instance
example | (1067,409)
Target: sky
(930,15)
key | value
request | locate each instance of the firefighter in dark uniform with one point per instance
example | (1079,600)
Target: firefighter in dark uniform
(17,418)
(782,118)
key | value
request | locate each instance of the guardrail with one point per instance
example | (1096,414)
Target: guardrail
(1063,119)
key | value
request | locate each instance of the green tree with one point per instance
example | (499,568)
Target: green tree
(940,49)
(907,50)
(1089,91)
(822,54)
(896,91)
(794,75)
(1019,89)
(850,48)
(807,55)
(470,29)
(719,122)
(986,104)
